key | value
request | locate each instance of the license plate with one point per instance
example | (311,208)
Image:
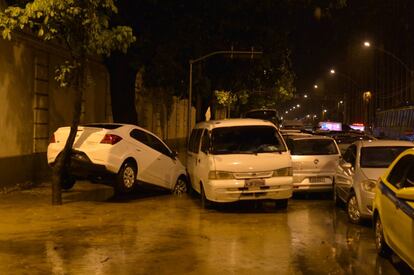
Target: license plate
(254,183)
(316,179)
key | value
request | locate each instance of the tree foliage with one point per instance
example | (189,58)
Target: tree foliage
(83,28)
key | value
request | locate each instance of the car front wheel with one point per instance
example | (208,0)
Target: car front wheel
(352,210)
(382,247)
(180,187)
(68,182)
(125,181)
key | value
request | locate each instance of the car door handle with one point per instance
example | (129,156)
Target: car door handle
(139,150)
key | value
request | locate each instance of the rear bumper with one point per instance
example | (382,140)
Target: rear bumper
(312,182)
(83,168)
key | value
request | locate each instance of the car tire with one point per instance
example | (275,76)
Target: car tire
(68,182)
(126,178)
(352,209)
(205,203)
(180,187)
(281,204)
(382,247)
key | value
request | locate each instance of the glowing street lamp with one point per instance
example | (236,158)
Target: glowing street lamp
(315,86)
(305,96)
(367,44)
(298,105)
(332,71)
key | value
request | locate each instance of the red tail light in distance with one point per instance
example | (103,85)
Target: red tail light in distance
(111,139)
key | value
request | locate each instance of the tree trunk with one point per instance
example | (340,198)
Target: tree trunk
(60,170)
(122,84)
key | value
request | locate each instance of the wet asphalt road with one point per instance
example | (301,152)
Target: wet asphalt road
(153,232)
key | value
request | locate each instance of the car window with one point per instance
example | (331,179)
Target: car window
(194,143)
(313,147)
(205,142)
(350,155)
(157,145)
(379,157)
(140,135)
(246,140)
(402,175)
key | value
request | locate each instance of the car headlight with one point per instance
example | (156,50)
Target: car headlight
(283,172)
(369,185)
(220,175)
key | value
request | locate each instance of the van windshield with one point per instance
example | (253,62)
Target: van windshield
(246,140)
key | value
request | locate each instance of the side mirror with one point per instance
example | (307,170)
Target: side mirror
(405,193)
(174,154)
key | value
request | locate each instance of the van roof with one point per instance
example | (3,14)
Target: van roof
(233,122)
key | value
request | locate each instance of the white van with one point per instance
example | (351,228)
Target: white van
(239,159)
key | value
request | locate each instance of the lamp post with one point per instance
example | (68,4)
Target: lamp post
(367,44)
(252,53)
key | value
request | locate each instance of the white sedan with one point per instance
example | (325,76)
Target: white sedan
(119,154)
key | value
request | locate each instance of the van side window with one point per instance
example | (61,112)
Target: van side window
(194,143)
(205,142)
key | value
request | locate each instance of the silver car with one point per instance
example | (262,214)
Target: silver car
(362,164)
(314,162)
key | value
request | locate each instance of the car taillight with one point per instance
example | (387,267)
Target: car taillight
(52,139)
(111,139)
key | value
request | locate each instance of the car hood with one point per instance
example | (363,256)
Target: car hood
(373,173)
(252,162)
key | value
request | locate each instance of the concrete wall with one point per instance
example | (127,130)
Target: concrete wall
(32,106)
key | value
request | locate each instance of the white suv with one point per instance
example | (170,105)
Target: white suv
(239,159)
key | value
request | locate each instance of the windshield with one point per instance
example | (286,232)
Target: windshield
(379,157)
(312,147)
(246,140)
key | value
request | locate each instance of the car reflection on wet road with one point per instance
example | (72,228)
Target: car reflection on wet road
(163,234)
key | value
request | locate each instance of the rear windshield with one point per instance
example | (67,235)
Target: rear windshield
(108,126)
(246,140)
(379,157)
(312,147)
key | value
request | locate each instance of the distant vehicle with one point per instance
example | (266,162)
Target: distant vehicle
(347,138)
(362,164)
(330,126)
(293,125)
(314,162)
(266,114)
(395,123)
(119,154)
(239,159)
(394,209)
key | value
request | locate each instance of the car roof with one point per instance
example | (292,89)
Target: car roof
(233,122)
(383,142)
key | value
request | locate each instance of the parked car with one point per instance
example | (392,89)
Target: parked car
(314,162)
(394,209)
(119,154)
(362,164)
(239,159)
(266,114)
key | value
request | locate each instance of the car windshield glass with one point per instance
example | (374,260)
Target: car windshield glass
(313,147)
(246,140)
(379,157)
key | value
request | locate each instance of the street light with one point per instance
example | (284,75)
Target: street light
(332,71)
(315,86)
(305,96)
(298,105)
(367,44)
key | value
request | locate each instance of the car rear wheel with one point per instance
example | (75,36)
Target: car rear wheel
(382,247)
(180,187)
(205,203)
(126,178)
(352,209)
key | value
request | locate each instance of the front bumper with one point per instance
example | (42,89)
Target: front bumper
(366,203)
(235,190)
